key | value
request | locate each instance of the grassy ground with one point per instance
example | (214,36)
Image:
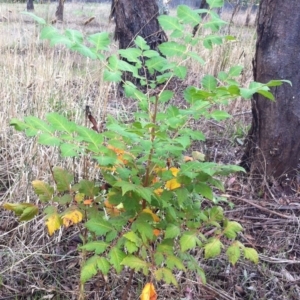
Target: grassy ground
(35,79)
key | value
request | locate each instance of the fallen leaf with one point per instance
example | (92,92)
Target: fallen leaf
(148,292)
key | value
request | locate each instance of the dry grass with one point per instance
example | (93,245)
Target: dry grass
(36,79)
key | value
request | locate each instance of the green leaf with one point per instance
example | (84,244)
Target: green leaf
(130,246)
(235,71)
(172,49)
(29,213)
(215,23)
(266,94)
(166,275)
(173,262)
(216,213)
(204,189)
(172,231)
(182,195)
(125,186)
(212,248)
(165,96)
(278,82)
(63,200)
(156,63)
(131,54)
(89,269)
(88,188)
(150,53)
(196,57)
(17,208)
(211,40)
(115,76)
(60,123)
(188,241)
(251,254)
(68,150)
(39,124)
(48,139)
(99,226)
(43,190)
(180,72)
(90,136)
(39,20)
(187,15)
(100,40)
(170,23)
(209,82)
(74,36)
(141,43)
(215,3)
(62,179)
(84,50)
(116,258)
(98,246)
(103,265)
(18,125)
(220,115)
(231,229)
(233,253)
(135,263)
(132,236)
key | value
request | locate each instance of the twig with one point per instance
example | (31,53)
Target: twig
(128,285)
(263,208)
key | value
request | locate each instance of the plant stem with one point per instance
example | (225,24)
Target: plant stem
(152,138)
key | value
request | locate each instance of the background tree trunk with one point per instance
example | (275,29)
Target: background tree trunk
(30,5)
(273,147)
(60,10)
(136,18)
(203,5)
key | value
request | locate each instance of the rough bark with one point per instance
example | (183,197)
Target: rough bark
(60,10)
(273,147)
(203,5)
(136,18)
(30,5)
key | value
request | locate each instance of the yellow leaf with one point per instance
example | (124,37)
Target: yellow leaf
(53,223)
(172,184)
(72,217)
(174,171)
(154,216)
(148,292)
(158,192)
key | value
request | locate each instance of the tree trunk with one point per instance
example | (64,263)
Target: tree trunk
(60,10)
(136,18)
(273,147)
(30,5)
(203,5)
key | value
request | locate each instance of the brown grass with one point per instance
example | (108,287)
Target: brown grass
(35,79)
